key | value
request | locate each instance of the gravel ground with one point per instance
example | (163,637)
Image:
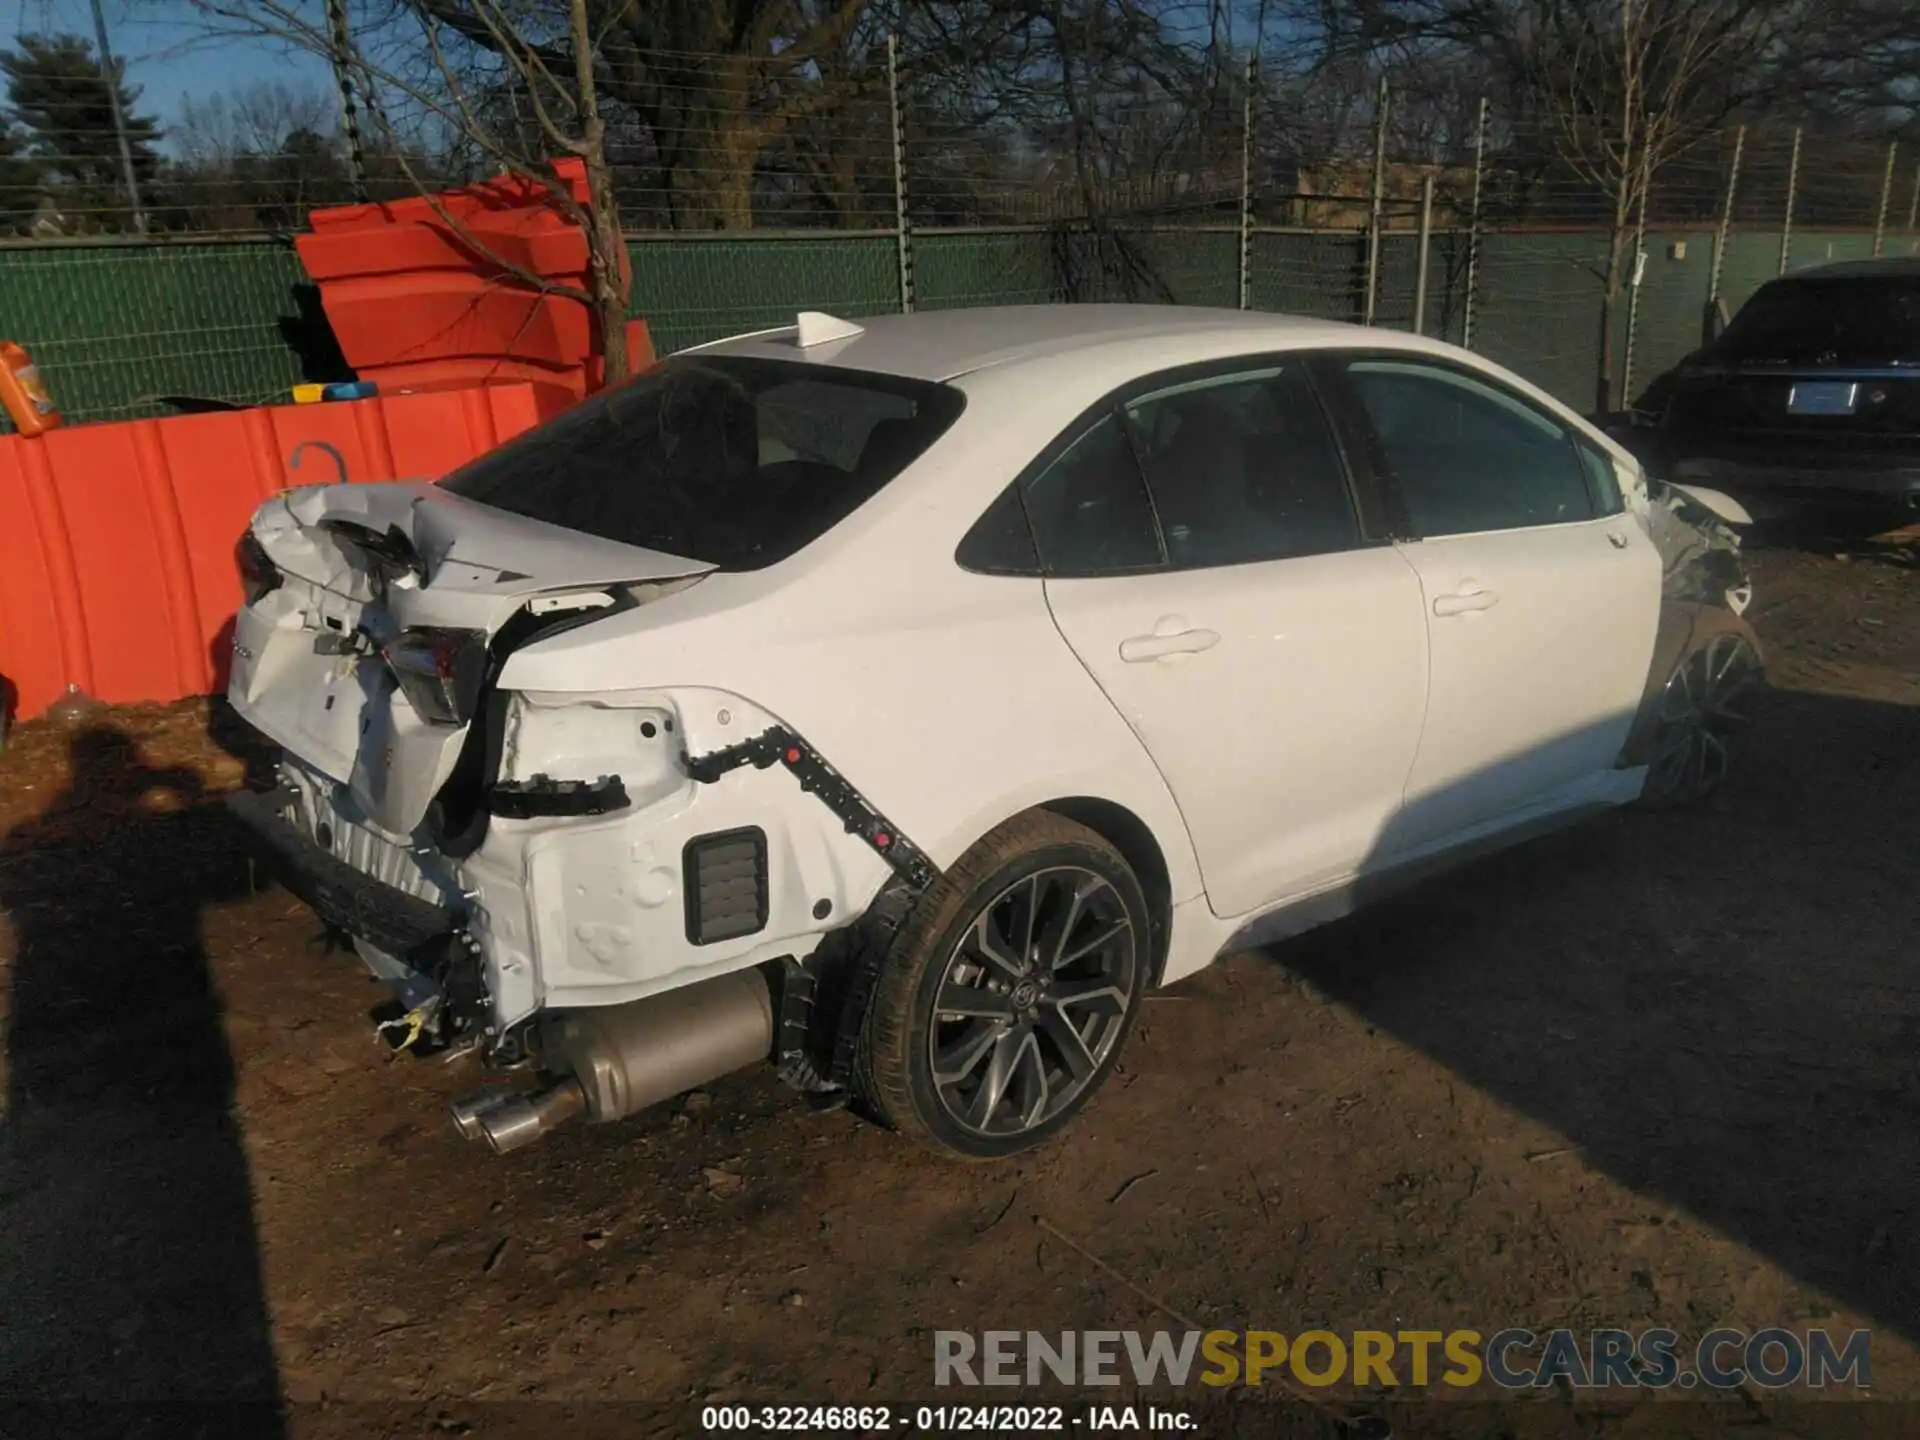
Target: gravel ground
(1660,1070)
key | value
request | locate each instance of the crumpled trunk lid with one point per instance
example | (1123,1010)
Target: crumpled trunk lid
(363,563)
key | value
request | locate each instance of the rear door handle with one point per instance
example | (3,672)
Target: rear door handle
(1465,602)
(1163,644)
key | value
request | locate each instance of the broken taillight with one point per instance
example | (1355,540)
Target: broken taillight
(259,576)
(440,671)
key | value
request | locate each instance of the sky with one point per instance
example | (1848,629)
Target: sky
(167,49)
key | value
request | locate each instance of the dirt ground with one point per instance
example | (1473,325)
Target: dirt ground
(1661,1070)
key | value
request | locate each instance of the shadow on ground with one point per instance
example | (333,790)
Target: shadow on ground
(1734,1028)
(134,1270)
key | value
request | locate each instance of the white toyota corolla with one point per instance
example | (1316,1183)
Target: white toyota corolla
(898,702)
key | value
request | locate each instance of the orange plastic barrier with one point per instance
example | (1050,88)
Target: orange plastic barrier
(116,541)
(446,290)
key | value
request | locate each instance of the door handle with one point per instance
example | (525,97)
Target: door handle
(1464,602)
(1617,539)
(1162,645)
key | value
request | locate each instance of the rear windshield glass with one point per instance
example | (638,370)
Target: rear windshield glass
(737,463)
(1863,321)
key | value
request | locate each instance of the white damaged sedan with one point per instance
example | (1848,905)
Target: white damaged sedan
(899,702)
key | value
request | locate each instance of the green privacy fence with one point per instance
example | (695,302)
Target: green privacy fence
(123,329)
(115,328)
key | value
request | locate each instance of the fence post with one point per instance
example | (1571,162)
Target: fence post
(1420,261)
(1913,210)
(339,50)
(1379,187)
(1246,187)
(1726,224)
(1793,184)
(1624,400)
(1886,194)
(1473,227)
(903,237)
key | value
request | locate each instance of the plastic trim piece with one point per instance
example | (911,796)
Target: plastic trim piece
(545,796)
(780,746)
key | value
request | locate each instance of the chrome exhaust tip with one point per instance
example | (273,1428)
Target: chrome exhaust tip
(525,1118)
(467,1110)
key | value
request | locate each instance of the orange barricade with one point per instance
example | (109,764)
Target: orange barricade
(450,289)
(116,540)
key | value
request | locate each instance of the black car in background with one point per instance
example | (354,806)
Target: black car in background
(1807,406)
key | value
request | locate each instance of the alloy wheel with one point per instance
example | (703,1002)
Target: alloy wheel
(1705,711)
(1032,1001)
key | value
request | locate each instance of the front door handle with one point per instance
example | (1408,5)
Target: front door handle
(1464,602)
(1166,642)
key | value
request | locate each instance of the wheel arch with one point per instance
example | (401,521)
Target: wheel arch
(847,958)
(1135,840)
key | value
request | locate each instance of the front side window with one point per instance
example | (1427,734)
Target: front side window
(1603,479)
(1467,456)
(1243,467)
(733,462)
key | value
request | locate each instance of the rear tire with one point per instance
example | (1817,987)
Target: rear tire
(1003,1003)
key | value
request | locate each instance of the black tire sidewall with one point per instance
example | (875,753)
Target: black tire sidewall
(913,973)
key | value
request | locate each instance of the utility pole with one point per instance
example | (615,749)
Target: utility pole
(112,77)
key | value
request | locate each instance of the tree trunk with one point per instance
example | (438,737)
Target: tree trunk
(611,277)
(1603,384)
(611,274)
(1609,310)
(714,190)
(711,146)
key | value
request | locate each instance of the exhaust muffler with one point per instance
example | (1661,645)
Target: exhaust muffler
(618,1059)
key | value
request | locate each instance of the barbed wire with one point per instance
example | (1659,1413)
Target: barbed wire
(744,204)
(801,148)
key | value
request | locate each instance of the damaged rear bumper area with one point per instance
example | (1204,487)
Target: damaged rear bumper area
(604,1063)
(623,940)
(340,895)
(414,941)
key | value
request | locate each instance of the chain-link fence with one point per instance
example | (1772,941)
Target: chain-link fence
(871,187)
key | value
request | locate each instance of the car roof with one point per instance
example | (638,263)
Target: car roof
(946,344)
(1892,267)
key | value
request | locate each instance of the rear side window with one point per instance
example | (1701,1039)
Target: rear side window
(1089,510)
(733,462)
(1243,467)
